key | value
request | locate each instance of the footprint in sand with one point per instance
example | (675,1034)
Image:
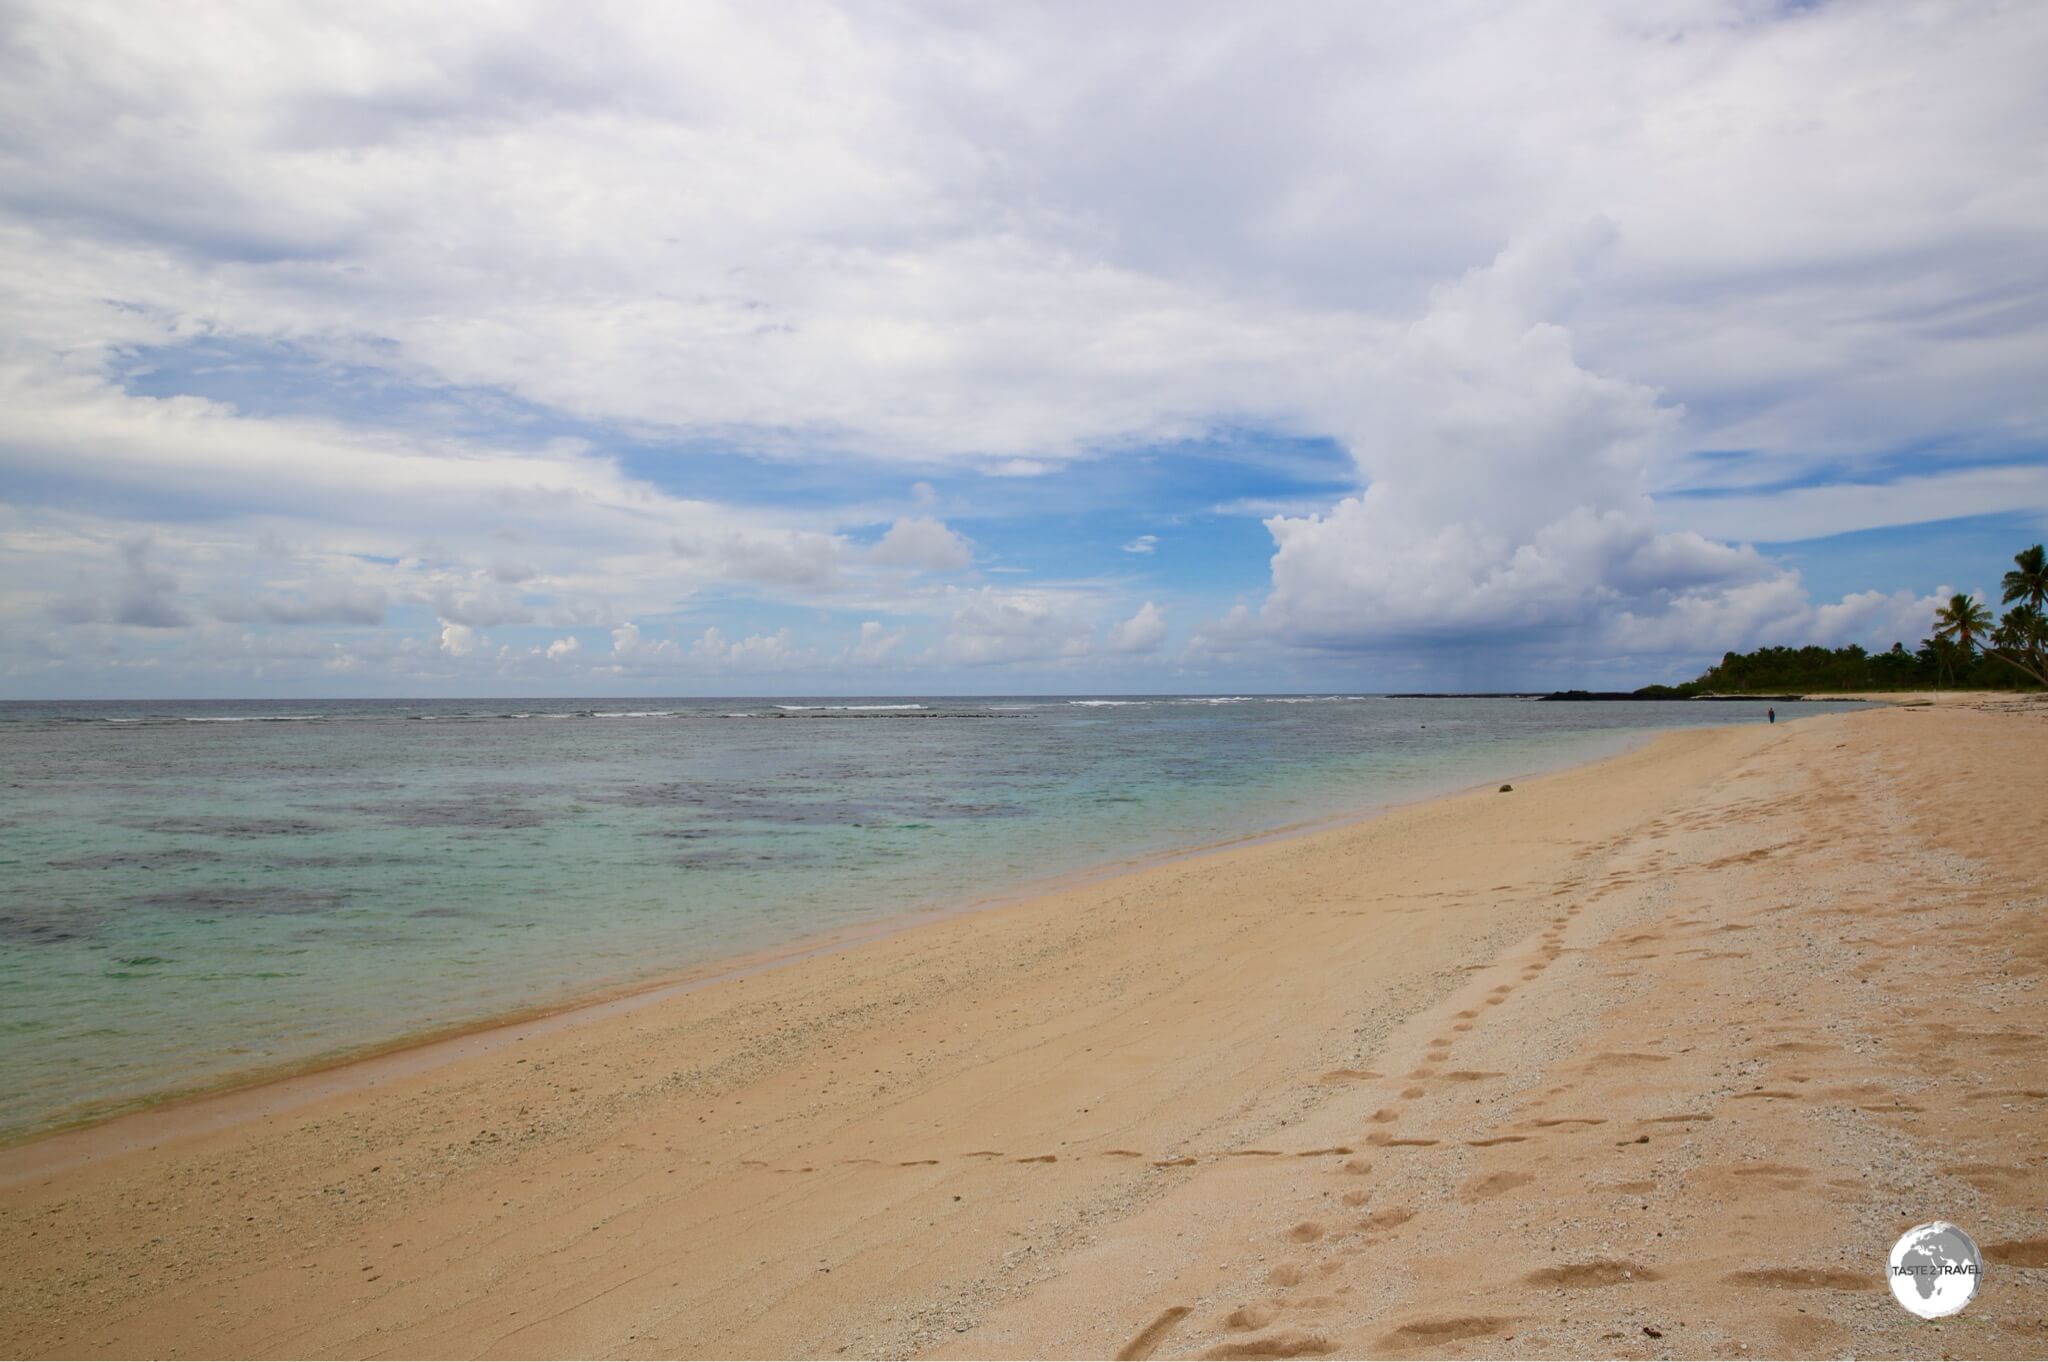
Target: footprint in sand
(917,1163)
(1307,1232)
(1347,1075)
(2019,1252)
(1805,1279)
(1153,1334)
(1428,1333)
(1986,1177)
(1385,1115)
(1493,1140)
(1041,1158)
(1185,1161)
(1778,1174)
(1290,1344)
(1382,1141)
(1248,1317)
(1332,1149)
(1357,1198)
(1494,1184)
(1599,1272)
(1570,1121)
(1386,1218)
(1122,1154)
(1608,1059)
(1358,1166)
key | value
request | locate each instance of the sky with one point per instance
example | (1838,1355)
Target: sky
(806,349)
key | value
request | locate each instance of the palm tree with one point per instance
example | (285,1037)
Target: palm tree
(2028,582)
(1963,620)
(1939,654)
(2021,640)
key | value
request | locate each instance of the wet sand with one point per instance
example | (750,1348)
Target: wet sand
(1653,1056)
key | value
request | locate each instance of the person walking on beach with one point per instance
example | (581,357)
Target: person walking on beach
(1771,713)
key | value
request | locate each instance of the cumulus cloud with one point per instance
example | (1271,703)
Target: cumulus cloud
(1506,486)
(875,644)
(459,640)
(923,543)
(563,647)
(755,652)
(991,626)
(484,608)
(1141,633)
(790,558)
(143,595)
(629,645)
(1144,543)
(943,243)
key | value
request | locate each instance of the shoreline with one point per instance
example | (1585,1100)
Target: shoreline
(1563,1053)
(267,1090)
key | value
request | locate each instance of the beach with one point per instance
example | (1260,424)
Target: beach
(1655,1055)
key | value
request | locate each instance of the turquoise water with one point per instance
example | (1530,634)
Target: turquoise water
(193,890)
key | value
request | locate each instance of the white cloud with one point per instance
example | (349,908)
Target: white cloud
(963,240)
(459,640)
(1141,633)
(323,602)
(991,626)
(1506,484)
(874,645)
(756,652)
(563,647)
(924,239)
(630,646)
(142,595)
(485,607)
(922,543)
(1144,543)
(788,558)
(1815,512)
(1773,611)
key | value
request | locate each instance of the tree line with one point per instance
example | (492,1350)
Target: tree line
(1965,649)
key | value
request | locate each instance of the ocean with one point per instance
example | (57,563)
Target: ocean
(192,892)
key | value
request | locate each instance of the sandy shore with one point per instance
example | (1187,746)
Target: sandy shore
(1655,1056)
(1989,701)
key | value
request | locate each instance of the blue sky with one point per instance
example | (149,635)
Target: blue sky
(848,349)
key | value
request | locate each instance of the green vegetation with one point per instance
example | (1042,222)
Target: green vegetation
(1965,650)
